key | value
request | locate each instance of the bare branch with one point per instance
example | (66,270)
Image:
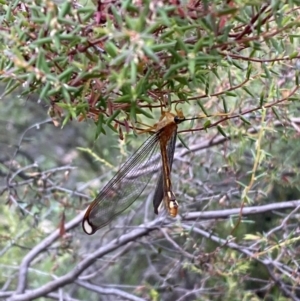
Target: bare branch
(72,275)
(109,291)
(42,246)
(246,211)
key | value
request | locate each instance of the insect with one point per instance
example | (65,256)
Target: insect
(133,177)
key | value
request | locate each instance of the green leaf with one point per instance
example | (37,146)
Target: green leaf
(221,131)
(249,70)
(175,68)
(65,9)
(10,87)
(267,73)
(8,12)
(112,117)
(192,66)
(163,46)
(41,63)
(133,72)
(245,120)
(67,97)
(248,91)
(276,113)
(207,124)
(111,49)
(146,99)
(224,104)
(164,16)
(66,75)
(143,112)
(182,45)
(123,99)
(45,90)
(41,41)
(133,109)
(120,59)
(66,119)
(183,142)
(238,65)
(100,128)
(112,128)
(262,98)
(294,55)
(232,94)
(117,16)
(202,108)
(149,52)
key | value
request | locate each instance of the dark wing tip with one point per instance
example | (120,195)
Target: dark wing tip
(87,227)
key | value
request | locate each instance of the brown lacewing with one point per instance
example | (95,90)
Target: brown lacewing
(133,177)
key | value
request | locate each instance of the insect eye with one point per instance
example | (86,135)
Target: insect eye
(178,119)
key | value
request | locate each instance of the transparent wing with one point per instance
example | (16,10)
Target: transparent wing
(125,187)
(159,193)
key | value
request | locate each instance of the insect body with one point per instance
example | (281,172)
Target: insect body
(133,177)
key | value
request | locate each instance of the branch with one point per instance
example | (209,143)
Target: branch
(225,213)
(266,262)
(108,291)
(70,277)
(249,254)
(123,240)
(281,285)
(42,246)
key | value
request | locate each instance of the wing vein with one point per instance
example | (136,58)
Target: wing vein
(127,185)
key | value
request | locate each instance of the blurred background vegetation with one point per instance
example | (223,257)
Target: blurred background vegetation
(80,78)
